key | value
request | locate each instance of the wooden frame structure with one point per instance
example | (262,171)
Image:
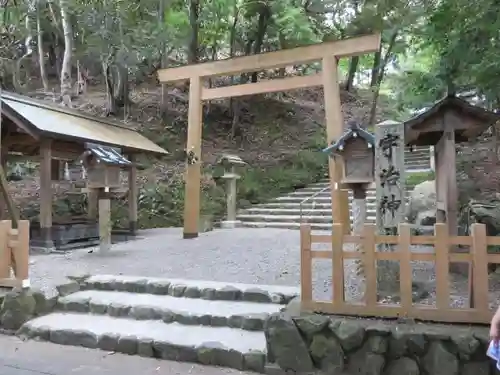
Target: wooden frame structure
(36,130)
(327,53)
(478,257)
(449,121)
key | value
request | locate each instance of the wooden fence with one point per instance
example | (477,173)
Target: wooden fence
(478,259)
(14,253)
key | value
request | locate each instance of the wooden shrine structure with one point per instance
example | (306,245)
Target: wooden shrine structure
(449,121)
(51,135)
(328,53)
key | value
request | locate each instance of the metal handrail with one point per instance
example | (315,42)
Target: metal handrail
(310,198)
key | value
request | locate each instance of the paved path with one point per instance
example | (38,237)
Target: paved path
(40,358)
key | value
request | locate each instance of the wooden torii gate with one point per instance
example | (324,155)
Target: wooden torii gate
(328,53)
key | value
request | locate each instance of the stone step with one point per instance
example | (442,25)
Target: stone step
(324,194)
(291,218)
(417,163)
(294,211)
(291,225)
(223,346)
(207,290)
(189,311)
(305,206)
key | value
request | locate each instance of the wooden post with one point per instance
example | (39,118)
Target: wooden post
(132,196)
(306,288)
(3,161)
(193,168)
(46,195)
(334,130)
(104,222)
(440,164)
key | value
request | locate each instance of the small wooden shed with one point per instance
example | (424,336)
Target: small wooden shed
(50,134)
(356,147)
(449,121)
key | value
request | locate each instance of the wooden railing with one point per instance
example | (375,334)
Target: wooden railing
(14,253)
(478,259)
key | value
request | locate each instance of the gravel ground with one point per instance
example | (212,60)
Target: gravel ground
(260,256)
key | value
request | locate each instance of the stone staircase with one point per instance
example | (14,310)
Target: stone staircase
(211,323)
(313,203)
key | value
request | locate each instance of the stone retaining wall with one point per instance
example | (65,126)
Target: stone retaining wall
(19,305)
(340,345)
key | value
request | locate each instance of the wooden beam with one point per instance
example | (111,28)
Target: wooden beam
(46,193)
(193,170)
(340,48)
(283,84)
(132,196)
(334,130)
(20,139)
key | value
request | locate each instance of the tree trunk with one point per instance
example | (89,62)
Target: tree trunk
(353,68)
(112,107)
(194,7)
(41,52)
(375,68)
(264,18)
(233,110)
(68,55)
(164,59)
(379,75)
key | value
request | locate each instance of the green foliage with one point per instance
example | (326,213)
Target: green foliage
(260,184)
(162,204)
(416,178)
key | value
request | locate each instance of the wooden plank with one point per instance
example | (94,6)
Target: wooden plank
(132,195)
(46,189)
(305,263)
(263,87)
(5,253)
(340,48)
(193,171)
(370,265)
(338,264)
(21,251)
(11,207)
(442,266)
(405,269)
(421,312)
(494,258)
(393,240)
(493,241)
(479,267)
(334,130)
(11,283)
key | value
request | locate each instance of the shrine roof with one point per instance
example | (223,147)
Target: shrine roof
(39,118)
(106,154)
(483,118)
(353,131)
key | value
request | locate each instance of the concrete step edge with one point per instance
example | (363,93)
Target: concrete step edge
(222,346)
(291,218)
(213,290)
(288,225)
(249,316)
